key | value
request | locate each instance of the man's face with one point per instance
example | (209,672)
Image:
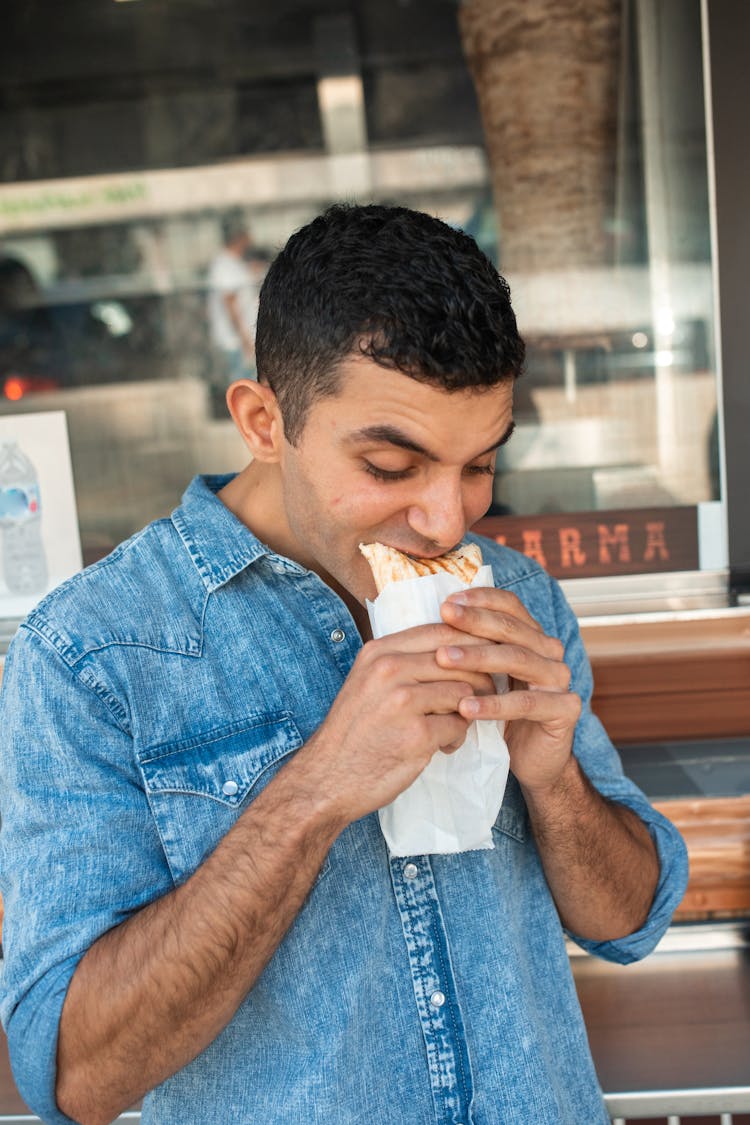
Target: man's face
(393,460)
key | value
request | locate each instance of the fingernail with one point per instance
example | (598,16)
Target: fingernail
(470,705)
(458,599)
(454,653)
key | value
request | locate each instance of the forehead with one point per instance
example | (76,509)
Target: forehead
(371,396)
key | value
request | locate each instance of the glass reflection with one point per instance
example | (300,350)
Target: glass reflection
(117,204)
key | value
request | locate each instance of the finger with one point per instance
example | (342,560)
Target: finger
(447,732)
(501,626)
(512,660)
(419,638)
(535,706)
(431,699)
(500,601)
(453,746)
(422,667)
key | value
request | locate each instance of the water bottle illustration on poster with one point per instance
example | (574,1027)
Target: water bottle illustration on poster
(22,558)
(40,544)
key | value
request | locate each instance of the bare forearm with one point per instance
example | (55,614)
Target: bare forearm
(151,994)
(598,857)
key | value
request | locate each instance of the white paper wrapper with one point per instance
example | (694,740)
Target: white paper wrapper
(454,802)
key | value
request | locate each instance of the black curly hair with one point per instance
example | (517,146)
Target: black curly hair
(395,285)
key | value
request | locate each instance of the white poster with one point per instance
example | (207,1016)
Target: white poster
(39,540)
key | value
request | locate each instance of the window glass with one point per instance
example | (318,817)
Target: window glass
(605,240)
(156,155)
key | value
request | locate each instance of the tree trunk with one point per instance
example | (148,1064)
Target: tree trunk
(546,76)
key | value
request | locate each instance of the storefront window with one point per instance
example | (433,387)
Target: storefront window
(600,176)
(140,136)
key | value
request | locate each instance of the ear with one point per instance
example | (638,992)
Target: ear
(256,415)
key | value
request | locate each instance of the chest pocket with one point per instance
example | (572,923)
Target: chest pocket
(512,820)
(198,786)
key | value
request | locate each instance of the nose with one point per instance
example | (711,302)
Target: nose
(439,514)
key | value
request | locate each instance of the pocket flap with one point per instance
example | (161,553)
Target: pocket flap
(223,764)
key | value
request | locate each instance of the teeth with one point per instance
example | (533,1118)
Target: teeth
(389,565)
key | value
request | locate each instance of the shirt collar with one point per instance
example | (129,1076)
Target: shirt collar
(219,544)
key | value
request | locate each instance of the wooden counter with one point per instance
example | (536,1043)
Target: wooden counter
(659,677)
(679,1021)
(662,677)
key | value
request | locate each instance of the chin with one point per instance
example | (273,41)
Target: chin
(359,582)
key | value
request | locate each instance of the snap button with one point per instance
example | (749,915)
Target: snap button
(410,871)
(337,636)
(229,788)
(437,999)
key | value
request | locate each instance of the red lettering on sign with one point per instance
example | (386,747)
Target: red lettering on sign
(615,541)
(655,542)
(571,553)
(616,538)
(532,545)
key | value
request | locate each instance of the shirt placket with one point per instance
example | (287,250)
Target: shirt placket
(336,623)
(435,989)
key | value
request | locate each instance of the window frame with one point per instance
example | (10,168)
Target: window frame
(726,34)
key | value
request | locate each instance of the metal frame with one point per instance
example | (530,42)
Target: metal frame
(676,1104)
(27,1119)
(726,34)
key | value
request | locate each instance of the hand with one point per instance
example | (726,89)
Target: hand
(540,710)
(396,709)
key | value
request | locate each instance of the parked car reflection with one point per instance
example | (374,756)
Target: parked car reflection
(91,338)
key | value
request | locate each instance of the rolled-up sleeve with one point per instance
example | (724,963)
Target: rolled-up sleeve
(601,763)
(71,805)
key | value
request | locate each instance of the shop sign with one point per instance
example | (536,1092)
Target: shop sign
(593,544)
(257,181)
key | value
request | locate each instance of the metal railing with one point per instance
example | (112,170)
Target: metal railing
(679,1105)
(675,1106)
(27,1119)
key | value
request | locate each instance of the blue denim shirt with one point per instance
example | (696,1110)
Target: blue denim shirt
(146,702)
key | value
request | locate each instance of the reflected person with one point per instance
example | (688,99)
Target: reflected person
(233,304)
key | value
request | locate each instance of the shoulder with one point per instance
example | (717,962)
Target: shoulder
(146,592)
(510,568)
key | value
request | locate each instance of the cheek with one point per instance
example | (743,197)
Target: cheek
(477,500)
(366,501)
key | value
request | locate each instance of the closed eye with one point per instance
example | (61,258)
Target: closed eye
(387,474)
(404,474)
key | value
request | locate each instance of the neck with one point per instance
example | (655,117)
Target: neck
(256,498)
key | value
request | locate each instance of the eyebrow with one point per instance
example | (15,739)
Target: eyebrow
(392,435)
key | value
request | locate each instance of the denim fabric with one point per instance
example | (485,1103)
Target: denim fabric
(432,990)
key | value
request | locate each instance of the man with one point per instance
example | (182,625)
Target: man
(233,304)
(198,734)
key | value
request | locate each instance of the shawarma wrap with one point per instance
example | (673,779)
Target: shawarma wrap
(389,565)
(453,804)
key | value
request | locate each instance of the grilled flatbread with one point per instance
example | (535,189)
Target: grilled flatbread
(389,565)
